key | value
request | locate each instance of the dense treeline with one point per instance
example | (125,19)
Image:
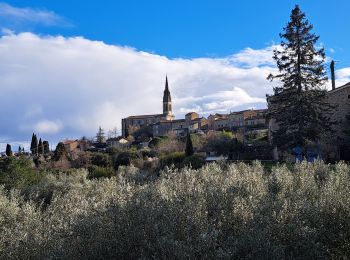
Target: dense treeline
(219,211)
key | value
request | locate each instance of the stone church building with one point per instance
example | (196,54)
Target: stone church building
(133,123)
(162,124)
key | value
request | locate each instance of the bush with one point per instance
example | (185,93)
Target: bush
(155,141)
(148,154)
(230,211)
(101,159)
(18,173)
(96,172)
(55,184)
(221,143)
(196,161)
(82,160)
(170,144)
(125,158)
(175,159)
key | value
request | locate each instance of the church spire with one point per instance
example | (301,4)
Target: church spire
(167,98)
(166,83)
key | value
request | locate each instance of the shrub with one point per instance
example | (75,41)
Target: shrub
(196,161)
(230,211)
(18,173)
(155,141)
(101,159)
(175,159)
(221,143)
(125,158)
(148,154)
(96,172)
(170,144)
(55,184)
(82,160)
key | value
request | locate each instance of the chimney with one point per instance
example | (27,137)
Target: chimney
(332,75)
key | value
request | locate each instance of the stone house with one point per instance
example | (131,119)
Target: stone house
(340,98)
(71,145)
(118,142)
(334,145)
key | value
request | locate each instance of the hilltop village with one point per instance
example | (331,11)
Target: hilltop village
(165,123)
(239,135)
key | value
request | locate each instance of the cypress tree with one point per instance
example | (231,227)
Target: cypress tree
(34,144)
(298,104)
(60,151)
(8,150)
(189,146)
(46,147)
(40,147)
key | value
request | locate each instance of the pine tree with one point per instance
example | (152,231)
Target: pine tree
(100,136)
(34,144)
(40,147)
(8,150)
(298,104)
(19,150)
(189,146)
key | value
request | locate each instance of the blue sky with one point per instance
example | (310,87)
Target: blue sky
(87,61)
(190,29)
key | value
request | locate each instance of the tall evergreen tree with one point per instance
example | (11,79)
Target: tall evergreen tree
(46,147)
(8,150)
(40,147)
(60,151)
(189,146)
(100,136)
(34,144)
(298,104)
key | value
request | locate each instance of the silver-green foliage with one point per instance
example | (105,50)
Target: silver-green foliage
(220,211)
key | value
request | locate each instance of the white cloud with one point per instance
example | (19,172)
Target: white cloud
(15,17)
(48,127)
(68,87)
(254,58)
(342,76)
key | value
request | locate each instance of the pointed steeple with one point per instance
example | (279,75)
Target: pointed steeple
(166,98)
(166,83)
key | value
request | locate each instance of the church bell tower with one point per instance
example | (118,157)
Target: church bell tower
(167,110)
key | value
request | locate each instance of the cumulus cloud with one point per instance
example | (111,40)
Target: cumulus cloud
(67,87)
(15,17)
(254,58)
(47,127)
(343,76)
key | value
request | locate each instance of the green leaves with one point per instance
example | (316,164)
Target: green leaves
(299,105)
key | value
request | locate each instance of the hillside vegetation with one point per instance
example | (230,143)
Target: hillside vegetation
(221,211)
